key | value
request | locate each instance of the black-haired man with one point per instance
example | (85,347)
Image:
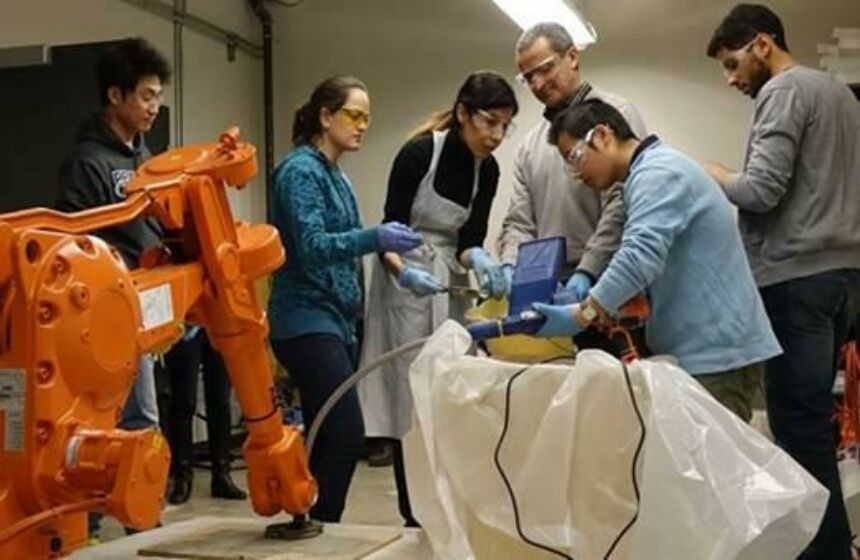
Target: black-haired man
(109,148)
(680,245)
(798,197)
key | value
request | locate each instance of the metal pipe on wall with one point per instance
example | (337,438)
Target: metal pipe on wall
(180,17)
(268,98)
(231,39)
(178,87)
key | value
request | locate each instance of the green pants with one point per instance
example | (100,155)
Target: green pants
(735,389)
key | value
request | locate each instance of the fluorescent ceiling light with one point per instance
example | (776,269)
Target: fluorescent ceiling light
(526,13)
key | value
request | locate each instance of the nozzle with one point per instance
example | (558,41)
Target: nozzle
(527,322)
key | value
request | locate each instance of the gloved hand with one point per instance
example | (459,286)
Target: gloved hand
(491,276)
(560,320)
(564,296)
(508,271)
(579,284)
(397,238)
(419,282)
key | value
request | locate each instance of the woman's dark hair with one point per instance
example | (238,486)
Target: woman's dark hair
(582,117)
(743,23)
(330,94)
(125,63)
(482,90)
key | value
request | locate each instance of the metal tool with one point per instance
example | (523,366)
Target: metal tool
(466,292)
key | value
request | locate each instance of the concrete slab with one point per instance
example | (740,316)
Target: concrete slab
(218,538)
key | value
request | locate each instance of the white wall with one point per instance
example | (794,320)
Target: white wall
(414,53)
(217,93)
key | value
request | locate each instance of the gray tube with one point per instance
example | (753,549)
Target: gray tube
(349,383)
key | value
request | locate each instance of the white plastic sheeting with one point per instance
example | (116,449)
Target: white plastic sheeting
(712,488)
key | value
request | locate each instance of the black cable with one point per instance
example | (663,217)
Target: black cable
(510,489)
(498,463)
(636,455)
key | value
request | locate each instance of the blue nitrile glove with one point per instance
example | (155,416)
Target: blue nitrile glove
(491,276)
(564,296)
(580,285)
(419,282)
(559,320)
(396,238)
(508,271)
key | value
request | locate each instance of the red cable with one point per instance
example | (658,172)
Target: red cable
(849,411)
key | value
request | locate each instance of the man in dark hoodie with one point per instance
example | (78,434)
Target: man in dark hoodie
(109,148)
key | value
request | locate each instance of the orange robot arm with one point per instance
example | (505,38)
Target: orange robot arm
(74,321)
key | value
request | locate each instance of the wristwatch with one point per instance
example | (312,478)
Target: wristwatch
(589,312)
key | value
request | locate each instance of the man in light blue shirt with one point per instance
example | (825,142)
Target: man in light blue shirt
(680,246)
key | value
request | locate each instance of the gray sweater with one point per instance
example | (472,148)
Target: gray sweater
(546,201)
(799,191)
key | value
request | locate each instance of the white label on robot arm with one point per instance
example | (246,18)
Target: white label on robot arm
(13,396)
(156,306)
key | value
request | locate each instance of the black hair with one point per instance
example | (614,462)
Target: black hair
(743,23)
(559,39)
(483,90)
(582,117)
(330,94)
(123,65)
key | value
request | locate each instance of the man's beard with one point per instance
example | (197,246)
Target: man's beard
(759,78)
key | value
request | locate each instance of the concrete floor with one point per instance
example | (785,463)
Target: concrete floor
(372,501)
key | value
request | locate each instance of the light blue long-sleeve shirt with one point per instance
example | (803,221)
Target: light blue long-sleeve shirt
(681,245)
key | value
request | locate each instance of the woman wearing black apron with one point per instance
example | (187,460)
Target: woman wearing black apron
(442,184)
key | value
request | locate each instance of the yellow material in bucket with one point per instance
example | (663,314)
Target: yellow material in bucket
(518,347)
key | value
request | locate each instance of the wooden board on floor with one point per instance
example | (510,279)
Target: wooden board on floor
(243,540)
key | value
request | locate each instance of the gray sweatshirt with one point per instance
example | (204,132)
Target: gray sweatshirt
(799,191)
(546,201)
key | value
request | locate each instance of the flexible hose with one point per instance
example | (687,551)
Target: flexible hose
(35,520)
(349,383)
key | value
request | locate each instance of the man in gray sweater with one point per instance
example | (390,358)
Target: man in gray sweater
(546,201)
(798,197)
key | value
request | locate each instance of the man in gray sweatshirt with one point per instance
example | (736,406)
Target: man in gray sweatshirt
(546,201)
(798,199)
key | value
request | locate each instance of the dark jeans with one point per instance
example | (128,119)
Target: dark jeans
(318,363)
(811,317)
(183,363)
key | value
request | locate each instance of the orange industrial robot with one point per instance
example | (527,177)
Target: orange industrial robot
(73,322)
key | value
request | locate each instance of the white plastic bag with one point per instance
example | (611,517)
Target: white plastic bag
(712,488)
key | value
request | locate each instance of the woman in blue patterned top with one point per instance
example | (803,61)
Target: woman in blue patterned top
(316,295)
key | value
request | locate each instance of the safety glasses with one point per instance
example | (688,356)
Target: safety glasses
(545,69)
(575,156)
(731,63)
(490,122)
(354,117)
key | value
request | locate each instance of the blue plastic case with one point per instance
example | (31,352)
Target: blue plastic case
(536,274)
